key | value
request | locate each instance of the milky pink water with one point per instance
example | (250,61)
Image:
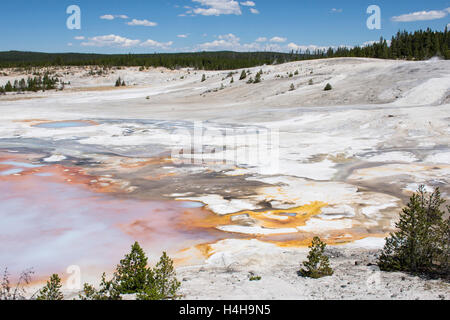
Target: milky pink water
(49,222)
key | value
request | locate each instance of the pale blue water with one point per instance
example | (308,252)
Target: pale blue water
(21,164)
(10,172)
(63,124)
(189,205)
(44,174)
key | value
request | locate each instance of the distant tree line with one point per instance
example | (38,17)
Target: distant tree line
(418,45)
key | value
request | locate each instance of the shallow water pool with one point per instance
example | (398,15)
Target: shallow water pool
(63,124)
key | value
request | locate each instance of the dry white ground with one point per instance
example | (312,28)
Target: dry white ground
(360,149)
(226,275)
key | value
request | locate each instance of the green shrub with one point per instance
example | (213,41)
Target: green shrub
(318,264)
(328,87)
(258,77)
(421,242)
(243,75)
(203,78)
(108,291)
(162,283)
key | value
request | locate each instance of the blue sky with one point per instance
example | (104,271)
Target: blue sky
(147,26)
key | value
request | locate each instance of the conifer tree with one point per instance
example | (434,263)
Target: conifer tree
(165,277)
(243,75)
(8,87)
(318,265)
(421,242)
(52,290)
(258,77)
(328,87)
(132,276)
(203,78)
(131,273)
(162,283)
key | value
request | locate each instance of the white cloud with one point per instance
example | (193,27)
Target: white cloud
(122,42)
(369,43)
(261,39)
(336,10)
(156,44)
(70,44)
(312,47)
(303,48)
(422,15)
(278,39)
(110,41)
(183,36)
(144,23)
(216,8)
(79,38)
(233,43)
(248,4)
(228,42)
(107,17)
(112,17)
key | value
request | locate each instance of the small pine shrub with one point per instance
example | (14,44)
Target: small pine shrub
(108,291)
(203,78)
(258,77)
(243,75)
(318,264)
(162,283)
(292,87)
(328,87)
(52,290)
